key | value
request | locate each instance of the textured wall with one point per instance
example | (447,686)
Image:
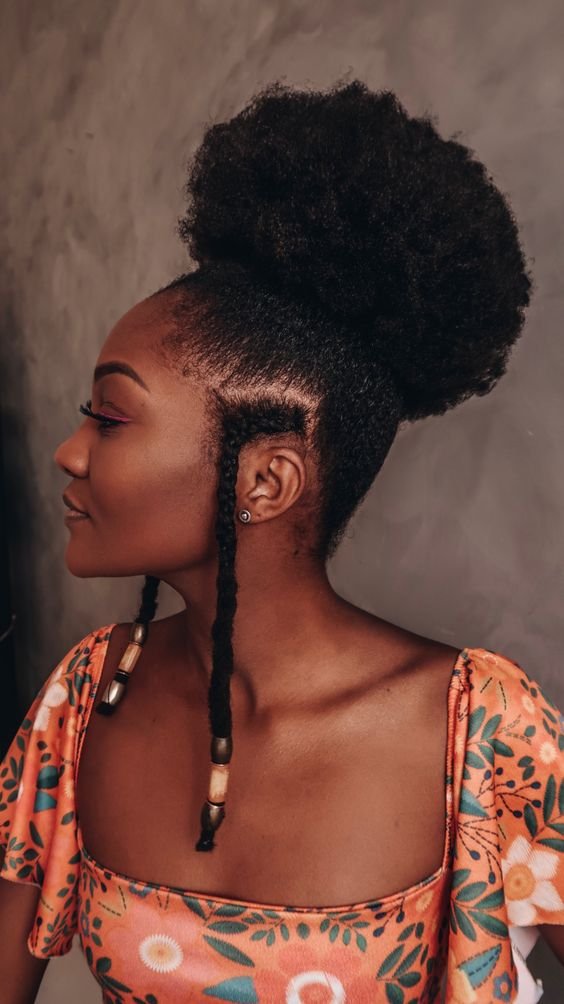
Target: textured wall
(461,536)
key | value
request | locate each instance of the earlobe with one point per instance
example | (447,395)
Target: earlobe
(282,482)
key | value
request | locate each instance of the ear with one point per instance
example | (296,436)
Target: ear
(270,480)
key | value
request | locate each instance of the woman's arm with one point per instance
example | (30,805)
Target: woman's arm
(20,971)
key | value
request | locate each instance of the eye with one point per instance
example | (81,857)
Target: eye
(105,421)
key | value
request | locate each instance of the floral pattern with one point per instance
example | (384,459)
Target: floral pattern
(452,933)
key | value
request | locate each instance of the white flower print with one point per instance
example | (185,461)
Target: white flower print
(547,752)
(161,953)
(312,979)
(526,880)
(528,704)
(55,695)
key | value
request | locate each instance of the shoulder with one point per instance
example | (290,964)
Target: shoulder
(499,684)
(108,643)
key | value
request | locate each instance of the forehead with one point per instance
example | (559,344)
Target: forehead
(136,339)
(141,327)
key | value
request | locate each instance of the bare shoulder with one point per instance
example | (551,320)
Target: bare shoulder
(402,655)
(164,637)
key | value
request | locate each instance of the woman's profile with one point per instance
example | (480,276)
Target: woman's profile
(274,795)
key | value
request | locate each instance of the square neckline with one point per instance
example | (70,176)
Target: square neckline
(384,902)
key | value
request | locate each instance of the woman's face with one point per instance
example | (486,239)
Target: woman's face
(144,483)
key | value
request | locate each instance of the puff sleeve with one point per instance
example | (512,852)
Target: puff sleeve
(529,799)
(37,798)
(508,862)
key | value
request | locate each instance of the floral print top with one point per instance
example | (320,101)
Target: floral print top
(457,932)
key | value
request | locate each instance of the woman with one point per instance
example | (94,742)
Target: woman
(355,271)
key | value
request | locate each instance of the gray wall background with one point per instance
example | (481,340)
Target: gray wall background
(461,536)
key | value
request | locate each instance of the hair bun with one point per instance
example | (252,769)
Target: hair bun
(344,200)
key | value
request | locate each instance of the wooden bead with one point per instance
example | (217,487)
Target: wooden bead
(130,657)
(218,782)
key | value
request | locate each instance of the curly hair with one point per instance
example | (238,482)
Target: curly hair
(355,271)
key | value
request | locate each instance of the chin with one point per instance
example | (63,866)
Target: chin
(85,565)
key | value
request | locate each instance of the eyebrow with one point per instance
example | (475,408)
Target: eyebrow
(114,366)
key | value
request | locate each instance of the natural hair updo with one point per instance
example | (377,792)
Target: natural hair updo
(355,270)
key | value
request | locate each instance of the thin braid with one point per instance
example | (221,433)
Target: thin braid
(239,426)
(149,604)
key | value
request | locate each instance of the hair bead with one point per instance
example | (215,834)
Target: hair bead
(116,688)
(221,749)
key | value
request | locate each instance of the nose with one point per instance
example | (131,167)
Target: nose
(72,456)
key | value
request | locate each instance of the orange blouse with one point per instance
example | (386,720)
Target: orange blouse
(464,931)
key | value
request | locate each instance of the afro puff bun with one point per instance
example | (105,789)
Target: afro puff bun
(344,201)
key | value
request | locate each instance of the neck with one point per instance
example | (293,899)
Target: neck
(289,630)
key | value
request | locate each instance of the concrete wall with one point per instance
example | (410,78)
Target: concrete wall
(461,537)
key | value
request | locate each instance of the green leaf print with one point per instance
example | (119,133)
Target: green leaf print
(477,913)
(553,842)
(459,876)
(48,777)
(229,952)
(407,962)
(194,905)
(487,752)
(470,804)
(470,891)
(502,748)
(390,961)
(240,990)
(530,820)
(491,726)
(475,720)
(464,924)
(394,994)
(361,941)
(228,927)
(549,798)
(490,924)
(492,901)
(230,910)
(44,801)
(480,966)
(406,933)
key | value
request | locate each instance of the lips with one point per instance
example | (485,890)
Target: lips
(72,505)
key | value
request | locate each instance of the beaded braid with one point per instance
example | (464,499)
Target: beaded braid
(137,637)
(240,425)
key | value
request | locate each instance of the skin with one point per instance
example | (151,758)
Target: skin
(315,678)
(149,487)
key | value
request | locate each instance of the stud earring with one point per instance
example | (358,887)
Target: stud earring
(244,516)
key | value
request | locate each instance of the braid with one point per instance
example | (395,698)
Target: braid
(149,603)
(240,425)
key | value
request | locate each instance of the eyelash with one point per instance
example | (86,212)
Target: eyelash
(106,423)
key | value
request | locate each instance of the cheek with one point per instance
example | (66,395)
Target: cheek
(153,508)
